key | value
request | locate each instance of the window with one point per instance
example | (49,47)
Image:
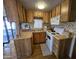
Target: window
(38,23)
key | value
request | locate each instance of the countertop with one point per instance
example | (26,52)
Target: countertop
(28,34)
(25,34)
(60,37)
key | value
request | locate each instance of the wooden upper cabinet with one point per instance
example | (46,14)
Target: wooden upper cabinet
(54,12)
(21,12)
(64,10)
(57,10)
(30,16)
(11,9)
(24,15)
(72,13)
(46,17)
(38,14)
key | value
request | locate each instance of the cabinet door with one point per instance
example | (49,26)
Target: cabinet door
(38,14)
(72,11)
(50,15)
(20,13)
(39,37)
(46,17)
(42,37)
(57,10)
(54,12)
(64,10)
(29,16)
(36,37)
(24,14)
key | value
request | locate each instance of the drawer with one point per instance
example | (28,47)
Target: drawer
(55,50)
(56,41)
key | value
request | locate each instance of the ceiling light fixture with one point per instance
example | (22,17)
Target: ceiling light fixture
(41,5)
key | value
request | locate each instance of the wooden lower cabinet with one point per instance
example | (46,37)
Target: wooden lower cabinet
(61,46)
(21,46)
(39,37)
(35,37)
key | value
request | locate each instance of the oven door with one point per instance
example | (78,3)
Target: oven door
(49,42)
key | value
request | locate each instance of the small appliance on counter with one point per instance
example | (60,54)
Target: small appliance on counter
(25,26)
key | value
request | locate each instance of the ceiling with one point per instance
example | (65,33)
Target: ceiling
(30,4)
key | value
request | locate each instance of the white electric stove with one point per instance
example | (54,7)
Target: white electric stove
(49,37)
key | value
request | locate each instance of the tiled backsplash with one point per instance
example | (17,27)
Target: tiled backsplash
(70,26)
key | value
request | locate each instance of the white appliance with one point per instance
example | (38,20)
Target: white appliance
(49,41)
(55,20)
(59,30)
(49,37)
